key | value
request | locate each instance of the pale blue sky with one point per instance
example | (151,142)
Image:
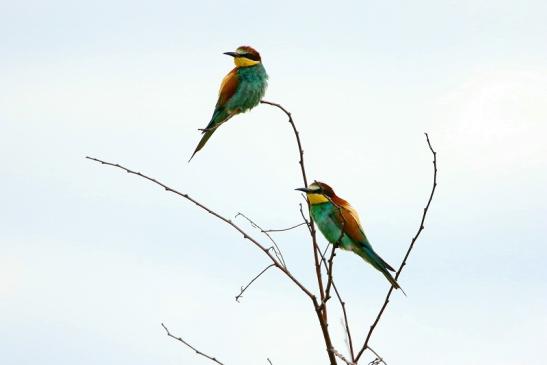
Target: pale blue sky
(92,260)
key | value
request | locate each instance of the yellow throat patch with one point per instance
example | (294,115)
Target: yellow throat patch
(244,62)
(317,198)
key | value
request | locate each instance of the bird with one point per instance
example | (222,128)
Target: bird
(240,90)
(339,222)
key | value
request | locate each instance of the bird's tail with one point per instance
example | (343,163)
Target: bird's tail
(220,116)
(391,279)
(206,135)
(379,264)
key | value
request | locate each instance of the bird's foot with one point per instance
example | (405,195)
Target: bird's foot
(212,129)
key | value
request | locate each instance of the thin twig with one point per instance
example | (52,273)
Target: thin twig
(420,229)
(277,250)
(322,322)
(269,361)
(320,310)
(263,248)
(320,253)
(311,224)
(297,135)
(328,269)
(248,285)
(378,357)
(283,229)
(324,252)
(308,224)
(331,262)
(344,311)
(329,275)
(346,321)
(190,346)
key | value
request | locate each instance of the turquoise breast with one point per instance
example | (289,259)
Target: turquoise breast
(323,215)
(252,85)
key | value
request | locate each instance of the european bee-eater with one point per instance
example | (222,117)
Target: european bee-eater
(240,90)
(340,225)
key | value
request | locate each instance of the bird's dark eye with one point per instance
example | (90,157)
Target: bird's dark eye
(251,56)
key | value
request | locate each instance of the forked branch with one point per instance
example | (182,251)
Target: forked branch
(311,225)
(244,288)
(320,309)
(246,236)
(279,265)
(277,260)
(420,229)
(275,247)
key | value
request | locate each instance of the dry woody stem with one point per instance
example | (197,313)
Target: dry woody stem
(320,261)
(420,229)
(190,346)
(243,289)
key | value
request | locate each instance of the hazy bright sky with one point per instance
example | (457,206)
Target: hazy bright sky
(92,259)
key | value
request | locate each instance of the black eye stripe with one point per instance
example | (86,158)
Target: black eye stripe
(250,56)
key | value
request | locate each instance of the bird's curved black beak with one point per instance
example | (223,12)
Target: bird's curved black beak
(233,54)
(305,190)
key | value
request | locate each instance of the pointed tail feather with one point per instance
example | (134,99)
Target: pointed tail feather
(203,140)
(386,265)
(379,264)
(220,117)
(391,279)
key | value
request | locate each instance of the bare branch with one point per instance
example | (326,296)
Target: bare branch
(190,346)
(284,229)
(344,311)
(269,361)
(277,261)
(420,229)
(311,224)
(246,236)
(346,321)
(248,285)
(378,357)
(329,275)
(276,248)
(296,134)
(331,259)
(322,321)
(308,223)
(321,311)
(328,268)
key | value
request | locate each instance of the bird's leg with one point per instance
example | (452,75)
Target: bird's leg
(205,130)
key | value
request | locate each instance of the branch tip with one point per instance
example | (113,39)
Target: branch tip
(420,229)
